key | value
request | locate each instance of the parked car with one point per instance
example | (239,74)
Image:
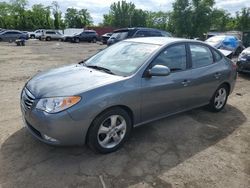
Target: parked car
(2,30)
(49,35)
(125,33)
(135,81)
(243,63)
(87,35)
(105,37)
(12,35)
(36,34)
(226,42)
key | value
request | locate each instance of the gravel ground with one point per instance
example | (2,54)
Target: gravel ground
(193,149)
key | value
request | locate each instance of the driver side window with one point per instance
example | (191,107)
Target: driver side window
(173,57)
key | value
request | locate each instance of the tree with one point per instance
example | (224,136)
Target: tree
(41,17)
(57,14)
(201,17)
(17,9)
(158,20)
(123,14)
(77,19)
(181,18)
(220,20)
(243,19)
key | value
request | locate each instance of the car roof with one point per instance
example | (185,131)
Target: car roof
(159,40)
(136,28)
(12,31)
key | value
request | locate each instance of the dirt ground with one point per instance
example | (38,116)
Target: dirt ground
(193,149)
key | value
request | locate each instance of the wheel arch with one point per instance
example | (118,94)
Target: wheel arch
(227,85)
(124,107)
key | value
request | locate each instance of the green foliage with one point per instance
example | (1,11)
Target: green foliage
(243,19)
(77,19)
(123,14)
(189,18)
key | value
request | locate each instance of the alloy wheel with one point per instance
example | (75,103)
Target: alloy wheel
(112,131)
(220,98)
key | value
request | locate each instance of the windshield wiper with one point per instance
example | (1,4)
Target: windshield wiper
(100,68)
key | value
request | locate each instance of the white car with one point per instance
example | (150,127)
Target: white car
(36,34)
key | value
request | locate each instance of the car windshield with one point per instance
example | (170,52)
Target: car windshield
(120,35)
(123,58)
(216,39)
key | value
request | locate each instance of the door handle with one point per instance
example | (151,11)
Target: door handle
(185,82)
(217,75)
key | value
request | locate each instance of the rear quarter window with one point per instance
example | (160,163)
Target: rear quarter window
(217,56)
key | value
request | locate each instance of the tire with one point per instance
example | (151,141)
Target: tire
(77,40)
(48,38)
(1,39)
(32,36)
(106,137)
(94,40)
(219,99)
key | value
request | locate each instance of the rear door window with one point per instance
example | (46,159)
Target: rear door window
(201,55)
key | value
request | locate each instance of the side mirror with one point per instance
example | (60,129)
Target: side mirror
(159,70)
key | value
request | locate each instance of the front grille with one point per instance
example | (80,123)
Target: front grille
(27,99)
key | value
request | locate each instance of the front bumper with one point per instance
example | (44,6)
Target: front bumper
(55,129)
(243,66)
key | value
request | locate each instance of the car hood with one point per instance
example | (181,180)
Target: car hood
(68,80)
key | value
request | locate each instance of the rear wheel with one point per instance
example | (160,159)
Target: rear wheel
(94,40)
(219,99)
(109,131)
(32,36)
(48,38)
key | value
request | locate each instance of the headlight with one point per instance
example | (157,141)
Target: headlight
(57,104)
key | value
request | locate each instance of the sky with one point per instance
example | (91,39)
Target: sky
(99,7)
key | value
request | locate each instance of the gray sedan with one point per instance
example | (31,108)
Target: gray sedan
(99,101)
(12,35)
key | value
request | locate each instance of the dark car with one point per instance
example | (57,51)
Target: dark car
(125,33)
(243,63)
(105,37)
(12,35)
(87,35)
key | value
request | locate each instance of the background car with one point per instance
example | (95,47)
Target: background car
(135,81)
(125,33)
(12,35)
(226,42)
(87,35)
(49,35)
(105,37)
(243,63)
(36,34)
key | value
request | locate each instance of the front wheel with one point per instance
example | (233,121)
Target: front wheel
(219,99)
(109,131)
(48,39)
(77,40)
